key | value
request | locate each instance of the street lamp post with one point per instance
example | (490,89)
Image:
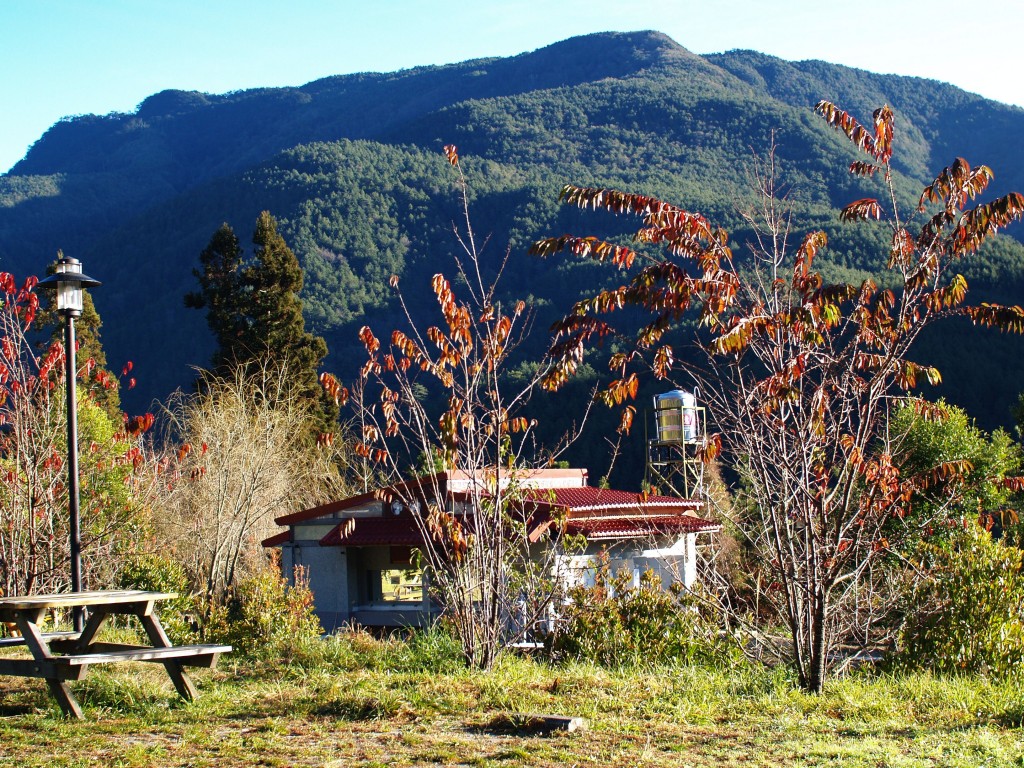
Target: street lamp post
(70,280)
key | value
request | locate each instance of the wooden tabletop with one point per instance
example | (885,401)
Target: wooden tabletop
(73,599)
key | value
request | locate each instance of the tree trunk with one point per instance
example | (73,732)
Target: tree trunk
(816,678)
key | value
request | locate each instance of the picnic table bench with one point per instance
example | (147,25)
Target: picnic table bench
(59,657)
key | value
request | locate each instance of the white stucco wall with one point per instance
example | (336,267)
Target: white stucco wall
(676,562)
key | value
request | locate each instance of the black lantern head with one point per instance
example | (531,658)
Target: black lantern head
(70,280)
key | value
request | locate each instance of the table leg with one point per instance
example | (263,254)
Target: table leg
(97,617)
(158,638)
(68,703)
(28,624)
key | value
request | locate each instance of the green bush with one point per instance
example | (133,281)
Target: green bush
(264,617)
(433,650)
(615,625)
(968,615)
(179,616)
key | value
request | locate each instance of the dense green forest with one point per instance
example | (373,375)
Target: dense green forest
(351,167)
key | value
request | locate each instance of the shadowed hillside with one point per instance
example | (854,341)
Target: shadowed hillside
(351,167)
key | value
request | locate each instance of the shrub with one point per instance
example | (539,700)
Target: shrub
(433,650)
(264,617)
(968,615)
(615,625)
(156,573)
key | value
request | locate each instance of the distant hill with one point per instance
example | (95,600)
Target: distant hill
(351,166)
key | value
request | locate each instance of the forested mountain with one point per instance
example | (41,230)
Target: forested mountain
(351,167)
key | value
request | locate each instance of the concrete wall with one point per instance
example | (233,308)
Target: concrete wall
(327,571)
(341,593)
(338,578)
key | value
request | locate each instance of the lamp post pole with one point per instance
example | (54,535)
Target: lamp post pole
(70,375)
(69,281)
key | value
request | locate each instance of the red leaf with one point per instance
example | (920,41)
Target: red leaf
(867,208)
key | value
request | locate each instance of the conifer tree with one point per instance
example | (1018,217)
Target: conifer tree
(273,283)
(255,313)
(222,296)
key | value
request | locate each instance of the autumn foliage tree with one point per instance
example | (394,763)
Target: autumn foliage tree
(34,546)
(438,396)
(797,373)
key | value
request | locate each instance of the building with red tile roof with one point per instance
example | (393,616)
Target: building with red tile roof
(358,551)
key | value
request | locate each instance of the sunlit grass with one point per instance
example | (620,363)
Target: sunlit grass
(355,700)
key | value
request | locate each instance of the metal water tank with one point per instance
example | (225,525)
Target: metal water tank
(676,417)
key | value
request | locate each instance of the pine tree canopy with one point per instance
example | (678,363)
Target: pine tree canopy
(254,311)
(221,295)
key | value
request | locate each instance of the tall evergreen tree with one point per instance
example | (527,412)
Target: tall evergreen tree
(255,313)
(273,283)
(222,295)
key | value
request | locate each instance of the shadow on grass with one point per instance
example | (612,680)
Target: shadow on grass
(1011,717)
(360,707)
(513,724)
(20,710)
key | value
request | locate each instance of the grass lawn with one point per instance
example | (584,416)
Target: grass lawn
(355,701)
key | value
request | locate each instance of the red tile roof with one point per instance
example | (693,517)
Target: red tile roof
(604,513)
(278,539)
(402,531)
(374,531)
(608,500)
(638,527)
(597,513)
(417,486)
(324,510)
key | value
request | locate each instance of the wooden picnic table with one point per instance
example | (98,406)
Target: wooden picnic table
(62,656)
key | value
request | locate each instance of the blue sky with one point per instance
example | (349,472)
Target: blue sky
(66,57)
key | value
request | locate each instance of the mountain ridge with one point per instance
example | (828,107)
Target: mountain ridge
(351,166)
(536,74)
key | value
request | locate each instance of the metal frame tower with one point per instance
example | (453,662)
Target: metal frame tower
(672,462)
